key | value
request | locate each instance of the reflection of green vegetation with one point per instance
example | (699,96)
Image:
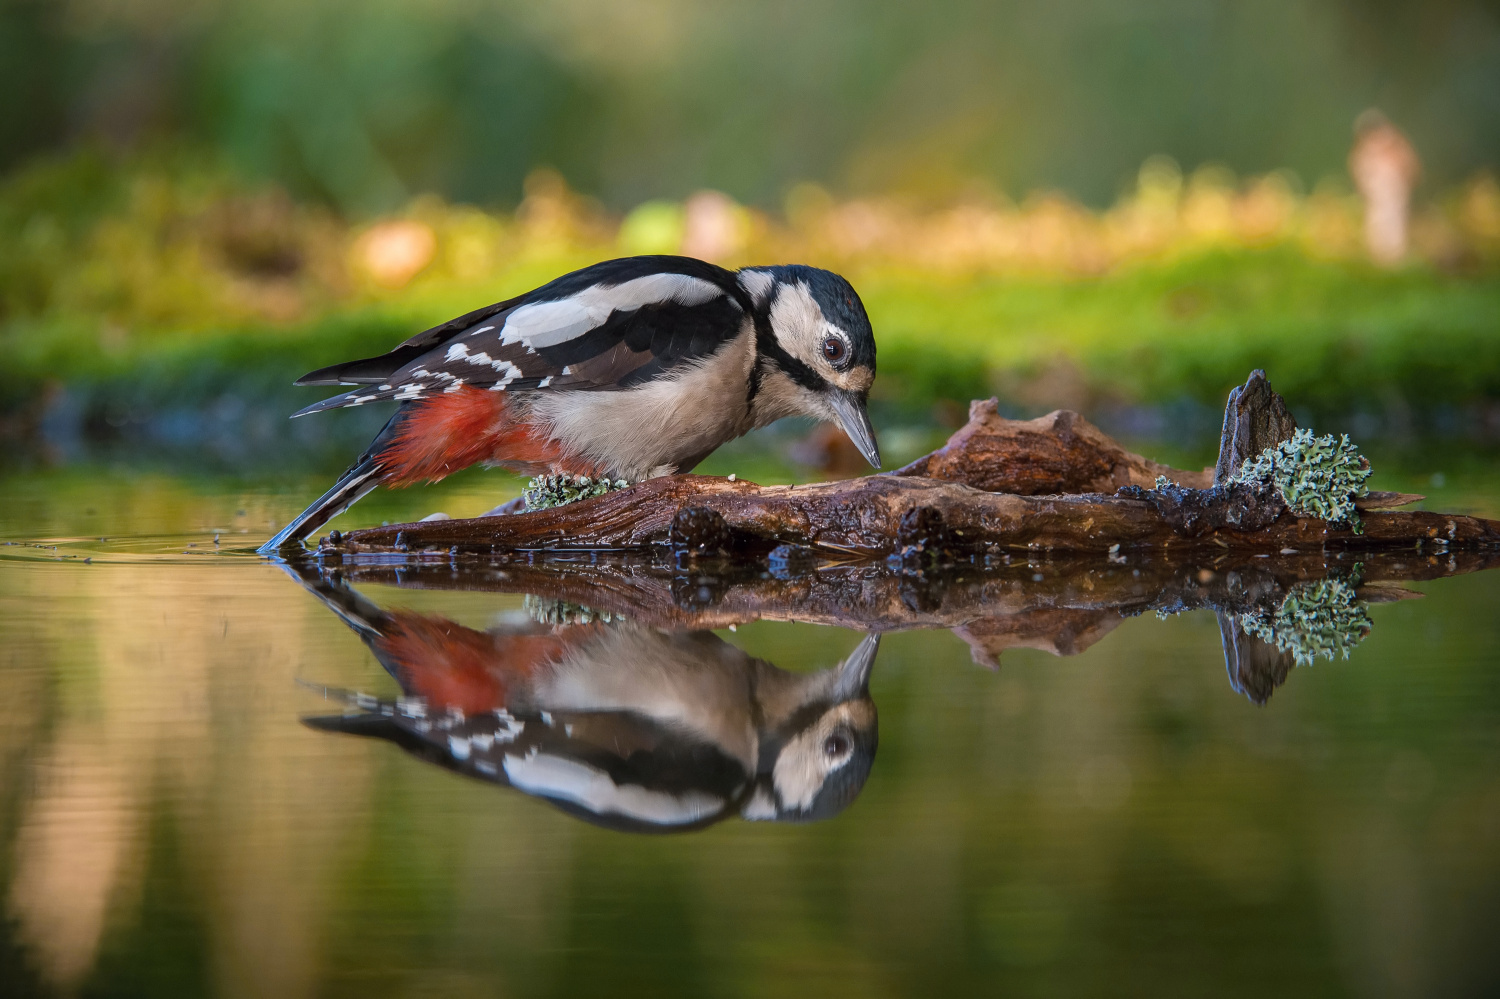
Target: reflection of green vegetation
(1317,476)
(1323,618)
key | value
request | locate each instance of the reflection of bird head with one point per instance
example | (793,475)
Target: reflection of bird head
(815,761)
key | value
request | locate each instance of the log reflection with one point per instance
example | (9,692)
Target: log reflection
(1273,610)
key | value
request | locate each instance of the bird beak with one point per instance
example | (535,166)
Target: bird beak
(850,408)
(853,678)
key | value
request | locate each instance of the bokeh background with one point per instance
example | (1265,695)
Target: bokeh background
(1120,207)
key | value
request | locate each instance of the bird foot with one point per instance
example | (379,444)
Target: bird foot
(517,505)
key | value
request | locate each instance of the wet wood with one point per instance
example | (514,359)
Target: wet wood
(1057,453)
(1051,485)
(1254,419)
(863,518)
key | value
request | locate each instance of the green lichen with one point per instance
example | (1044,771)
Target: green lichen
(1322,618)
(546,491)
(1317,476)
(546,610)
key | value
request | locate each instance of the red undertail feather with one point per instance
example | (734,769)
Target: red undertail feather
(451,666)
(447,433)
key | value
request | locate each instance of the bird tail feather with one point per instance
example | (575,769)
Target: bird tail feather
(348,490)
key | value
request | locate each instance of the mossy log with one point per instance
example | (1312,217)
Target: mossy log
(1056,484)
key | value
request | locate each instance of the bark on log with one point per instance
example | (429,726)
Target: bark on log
(1255,418)
(863,518)
(1057,453)
(1054,484)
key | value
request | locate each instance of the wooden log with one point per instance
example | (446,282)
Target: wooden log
(863,517)
(1254,419)
(1054,484)
(1057,453)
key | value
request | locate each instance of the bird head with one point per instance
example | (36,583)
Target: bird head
(816,762)
(817,348)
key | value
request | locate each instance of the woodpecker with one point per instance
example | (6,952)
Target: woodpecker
(627,369)
(627,727)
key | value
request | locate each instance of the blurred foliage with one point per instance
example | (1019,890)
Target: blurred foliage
(167,279)
(365,103)
(202,200)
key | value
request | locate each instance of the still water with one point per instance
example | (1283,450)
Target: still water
(218,777)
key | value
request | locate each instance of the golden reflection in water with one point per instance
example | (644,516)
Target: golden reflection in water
(149,683)
(1342,834)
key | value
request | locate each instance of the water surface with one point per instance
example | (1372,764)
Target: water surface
(1117,820)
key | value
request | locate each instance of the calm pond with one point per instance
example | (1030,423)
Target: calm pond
(1124,818)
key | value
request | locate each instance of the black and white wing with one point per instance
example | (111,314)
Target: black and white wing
(612,325)
(615,770)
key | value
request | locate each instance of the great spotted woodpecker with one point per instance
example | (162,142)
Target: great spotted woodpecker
(625,726)
(627,369)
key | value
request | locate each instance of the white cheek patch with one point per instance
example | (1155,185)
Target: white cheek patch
(547,324)
(798,323)
(801,770)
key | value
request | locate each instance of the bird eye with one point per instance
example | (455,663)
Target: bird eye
(836,745)
(834,349)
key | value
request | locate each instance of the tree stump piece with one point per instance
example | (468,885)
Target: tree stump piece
(1254,419)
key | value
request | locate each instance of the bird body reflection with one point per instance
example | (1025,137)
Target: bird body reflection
(626,726)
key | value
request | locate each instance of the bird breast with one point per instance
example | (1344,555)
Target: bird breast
(692,683)
(654,428)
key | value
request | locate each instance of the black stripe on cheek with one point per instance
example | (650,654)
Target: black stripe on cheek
(794,369)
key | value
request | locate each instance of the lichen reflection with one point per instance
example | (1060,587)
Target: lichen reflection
(629,727)
(1263,642)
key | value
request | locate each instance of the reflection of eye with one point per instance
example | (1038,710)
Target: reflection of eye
(834,349)
(836,745)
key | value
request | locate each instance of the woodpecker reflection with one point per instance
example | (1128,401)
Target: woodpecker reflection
(629,727)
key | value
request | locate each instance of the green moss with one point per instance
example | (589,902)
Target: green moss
(1323,618)
(1317,476)
(546,491)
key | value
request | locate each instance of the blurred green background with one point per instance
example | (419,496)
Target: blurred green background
(1116,207)
(364,104)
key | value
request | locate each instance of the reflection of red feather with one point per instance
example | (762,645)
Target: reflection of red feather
(450,432)
(451,666)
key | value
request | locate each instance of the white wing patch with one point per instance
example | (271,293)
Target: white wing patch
(460,352)
(547,324)
(569,780)
(757,284)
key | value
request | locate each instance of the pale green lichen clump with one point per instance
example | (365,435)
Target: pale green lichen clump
(1323,618)
(1317,476)
(546,491)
